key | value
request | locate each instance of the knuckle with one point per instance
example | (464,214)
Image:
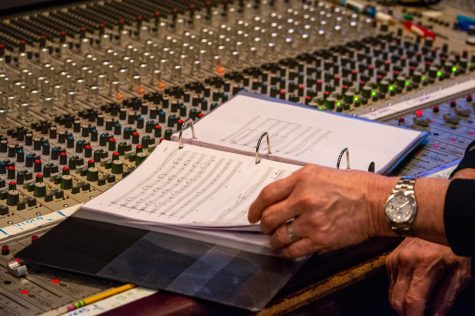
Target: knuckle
(294,251)
(311,168)
(413,299)
(278,239)
(267,193)
(390,259)
(307,201)
(307,171)
(265,223)
(289,253)
(405,256)
(397,305)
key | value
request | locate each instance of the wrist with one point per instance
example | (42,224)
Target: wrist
(379,188)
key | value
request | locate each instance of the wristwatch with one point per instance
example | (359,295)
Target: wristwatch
(401,207)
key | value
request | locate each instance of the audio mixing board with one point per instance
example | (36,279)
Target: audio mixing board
(88,89)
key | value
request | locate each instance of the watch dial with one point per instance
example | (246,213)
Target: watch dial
(400,208)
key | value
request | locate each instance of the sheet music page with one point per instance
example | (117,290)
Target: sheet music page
(192,186)
(301,134)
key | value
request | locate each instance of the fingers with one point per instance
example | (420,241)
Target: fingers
(411,291)
(420,272)
(277,215)
(419,292)
(299,248)
(271,194)
(280,238)
(392,268)
(399,290)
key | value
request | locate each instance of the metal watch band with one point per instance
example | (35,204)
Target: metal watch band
(405,184)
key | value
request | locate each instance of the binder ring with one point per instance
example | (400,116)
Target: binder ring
(340,156)
(258,157)
(372,167)
(180,135)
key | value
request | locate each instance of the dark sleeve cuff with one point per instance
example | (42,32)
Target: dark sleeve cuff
(468,160)
(459,216)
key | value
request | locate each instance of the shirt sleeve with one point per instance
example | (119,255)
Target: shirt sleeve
(459,216)
(468,160)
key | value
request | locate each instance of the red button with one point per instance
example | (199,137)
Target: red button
(5,250)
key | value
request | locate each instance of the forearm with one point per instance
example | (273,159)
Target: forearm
(430,197)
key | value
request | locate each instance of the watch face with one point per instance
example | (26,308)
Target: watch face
(400,208)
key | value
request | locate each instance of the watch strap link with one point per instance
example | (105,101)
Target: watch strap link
(404,185)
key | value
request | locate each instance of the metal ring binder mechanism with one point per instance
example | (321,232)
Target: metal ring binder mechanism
(258,158)
(371,167)
(180,136)
(347,151)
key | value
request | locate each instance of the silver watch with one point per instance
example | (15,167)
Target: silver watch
(401,207)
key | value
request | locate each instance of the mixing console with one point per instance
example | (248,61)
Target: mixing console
(87,90)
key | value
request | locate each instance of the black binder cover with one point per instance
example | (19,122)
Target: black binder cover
(160,261)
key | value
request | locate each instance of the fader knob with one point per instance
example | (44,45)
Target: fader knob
(4,211)
(20,155)
(421,119)
(13,197)
(157,131)
(168,134)
(11,172)
(92,174)
(87,151)
(79,146)
(98,155)
(117,167)
(55,153)
(463,110)
(66,182)
(11,150)
(3,146)
(451,118)
(37,166)
(40,189)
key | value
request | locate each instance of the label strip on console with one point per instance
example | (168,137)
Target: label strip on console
(432,97)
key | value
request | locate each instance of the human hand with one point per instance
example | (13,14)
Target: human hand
(330,209)
(425,274)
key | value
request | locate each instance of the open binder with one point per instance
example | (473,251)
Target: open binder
(179,221)
(301,135)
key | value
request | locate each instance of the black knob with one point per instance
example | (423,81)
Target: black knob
(45,147)
(127,132)
(3,146)
(139,122)
(28,139)
(70,141)
(79,146)
(11,150)
(20,155)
